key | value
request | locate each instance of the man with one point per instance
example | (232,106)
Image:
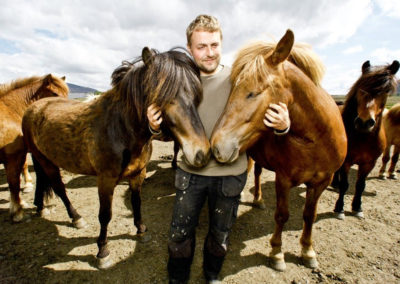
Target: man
(220,184)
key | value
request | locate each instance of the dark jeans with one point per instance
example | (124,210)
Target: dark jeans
(222,193)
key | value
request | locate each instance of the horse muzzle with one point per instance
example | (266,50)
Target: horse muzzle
(364,125)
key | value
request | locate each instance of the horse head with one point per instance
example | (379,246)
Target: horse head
(52,86)
(178,92)
(371,91)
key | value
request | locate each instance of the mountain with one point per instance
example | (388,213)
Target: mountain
(76,91)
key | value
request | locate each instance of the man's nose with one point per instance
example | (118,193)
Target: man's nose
(210,51)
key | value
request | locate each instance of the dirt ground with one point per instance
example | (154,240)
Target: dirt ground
(50,250)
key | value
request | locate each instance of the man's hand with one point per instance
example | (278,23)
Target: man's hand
(154,116)
(277,117)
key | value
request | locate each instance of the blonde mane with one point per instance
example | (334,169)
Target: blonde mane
(250,62)
(58,83)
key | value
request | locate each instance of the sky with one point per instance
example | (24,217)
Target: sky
(86,40)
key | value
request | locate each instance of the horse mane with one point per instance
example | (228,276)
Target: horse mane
(250,62)
(138,85)
(59,84)
(378,81)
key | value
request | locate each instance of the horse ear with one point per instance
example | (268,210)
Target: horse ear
(147,56)
(394,67)
(283,48)
(63,78)
(48,79)
(365,67)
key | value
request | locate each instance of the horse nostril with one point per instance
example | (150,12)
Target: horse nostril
(199,159)
(370,123)
(216,152)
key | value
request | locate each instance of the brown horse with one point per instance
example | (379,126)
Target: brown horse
(110,138)
(15,97)
(362,117)
(391,124)
(313,149)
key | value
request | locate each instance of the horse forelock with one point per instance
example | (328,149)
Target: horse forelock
(250,62)
(378,82)
(161,82)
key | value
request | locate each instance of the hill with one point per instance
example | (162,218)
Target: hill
(76,91)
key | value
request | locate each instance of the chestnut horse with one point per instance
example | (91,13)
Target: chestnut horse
(391,124)
(362,116)
(310,153)
(15,97)
(110,138)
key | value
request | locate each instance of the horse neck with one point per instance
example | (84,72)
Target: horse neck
(19,99)
(122,119)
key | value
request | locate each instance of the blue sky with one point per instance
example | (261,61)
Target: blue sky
(87,40)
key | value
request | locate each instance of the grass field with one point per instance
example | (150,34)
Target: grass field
(392,100)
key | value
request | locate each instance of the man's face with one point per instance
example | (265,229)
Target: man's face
(206,50)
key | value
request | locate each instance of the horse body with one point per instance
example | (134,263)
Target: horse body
(310,153)
(391,124)
(109,137)
(362,116)
(15,98)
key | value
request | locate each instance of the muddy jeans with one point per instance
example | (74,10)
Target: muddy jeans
(222,193)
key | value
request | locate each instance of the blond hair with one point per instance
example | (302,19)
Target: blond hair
(203,23)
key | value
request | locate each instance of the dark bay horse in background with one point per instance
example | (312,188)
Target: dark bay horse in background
(362,117)
(391,124)
(310,153)
(15,97)
(110,138)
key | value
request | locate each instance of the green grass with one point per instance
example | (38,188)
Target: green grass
(392,100)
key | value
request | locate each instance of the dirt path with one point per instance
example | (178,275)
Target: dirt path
(49,250)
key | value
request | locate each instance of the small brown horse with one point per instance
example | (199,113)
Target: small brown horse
(110,138)
(391,124)
(313,149)
(15,98)
(362,117)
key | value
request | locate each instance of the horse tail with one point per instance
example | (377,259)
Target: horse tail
(43,186)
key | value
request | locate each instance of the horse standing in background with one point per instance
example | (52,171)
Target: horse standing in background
(391,124)
(15,98)
(362,116)
(310,153)
(110,138)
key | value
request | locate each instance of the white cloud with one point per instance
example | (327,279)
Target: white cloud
(384,55)
(390,8)
(353,49)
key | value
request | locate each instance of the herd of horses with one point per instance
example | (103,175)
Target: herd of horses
(109,137)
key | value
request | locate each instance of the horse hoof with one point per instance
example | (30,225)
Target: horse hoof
(144,237)
(358,214)
(18,217)
(80,223)
(105,262)
(382,176)
(340,215)
(393,176)
(28,188)
(310,262)
(259,204)
(44,212)
(278,265)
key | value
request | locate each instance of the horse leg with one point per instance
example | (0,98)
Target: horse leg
(13,166)
(282,189)
(175,158)
(314,192)
(48,174)
(363,172)
(258,200)
(105,190)
(336,180)
(395,158)
(28,187)
(135,185)
(343,187)
(385,160)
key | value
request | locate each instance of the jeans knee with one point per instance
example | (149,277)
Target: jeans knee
(183,249)
(217,246)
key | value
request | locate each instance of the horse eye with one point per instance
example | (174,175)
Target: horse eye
(252,95)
